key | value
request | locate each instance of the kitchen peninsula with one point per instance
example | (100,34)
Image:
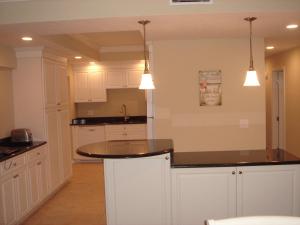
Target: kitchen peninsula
(146,182)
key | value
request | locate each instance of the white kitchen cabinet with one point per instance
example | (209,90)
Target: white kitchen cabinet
(37,175)
(124,78)
(56,81)
(137,190)
(14,196)
(90,87)
(268,190)
(126,132)
(83,135)
(40,85)
(199,194)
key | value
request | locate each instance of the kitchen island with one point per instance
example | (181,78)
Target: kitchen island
(147,183)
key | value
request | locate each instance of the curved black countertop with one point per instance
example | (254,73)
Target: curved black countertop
(127,148)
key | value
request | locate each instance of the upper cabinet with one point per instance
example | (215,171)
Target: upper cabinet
(123,78)
(90,87)
(56,81)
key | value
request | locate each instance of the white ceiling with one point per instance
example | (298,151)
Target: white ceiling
(125,31)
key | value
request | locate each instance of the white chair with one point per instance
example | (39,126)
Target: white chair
(257,220)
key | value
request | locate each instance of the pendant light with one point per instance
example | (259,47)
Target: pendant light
(146,81)
(251,76)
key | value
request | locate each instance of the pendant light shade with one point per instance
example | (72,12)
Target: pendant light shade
(251,76)
(146,81)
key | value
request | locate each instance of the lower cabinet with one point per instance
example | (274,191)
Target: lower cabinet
(199,194)
(37,171)
(83,135)
(137,190)
(126,132)
(14,196)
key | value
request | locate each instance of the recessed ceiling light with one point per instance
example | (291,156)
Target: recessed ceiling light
(270,47)
(78,57)
(292,26)
(27,38)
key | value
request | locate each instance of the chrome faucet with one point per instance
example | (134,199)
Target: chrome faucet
(124,111)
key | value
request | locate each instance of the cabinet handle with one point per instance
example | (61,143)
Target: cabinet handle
(39,163)
(38,153)
(58,110)
(240,172)
(167,157)
(16,176)
(91,129)
(233,172)
(58,103)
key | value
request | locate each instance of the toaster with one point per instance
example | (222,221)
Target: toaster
(22,135)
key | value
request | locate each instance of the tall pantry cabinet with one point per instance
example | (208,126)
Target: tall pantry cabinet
(41,101)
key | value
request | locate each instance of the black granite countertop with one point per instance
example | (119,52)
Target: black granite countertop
(232,158)
(9,150)
(83,121)
(127,149)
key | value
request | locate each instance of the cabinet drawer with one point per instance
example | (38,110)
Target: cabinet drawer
(126,132)
(12,164)
(36,153)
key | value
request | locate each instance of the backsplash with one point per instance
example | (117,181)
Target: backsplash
(133,98)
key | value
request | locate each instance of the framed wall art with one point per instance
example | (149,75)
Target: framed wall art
(210,88)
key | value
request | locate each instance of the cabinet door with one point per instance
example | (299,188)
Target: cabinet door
(50,83)
(37,181)
(54,149)
(8,204)
(96,84)
(62,85)
(268,190)
(136,131)
(134,78)
(137,191)
(199,194)
(65,143)
(14,195)
(83,135)
(81,87)
(115,132)
(116,79)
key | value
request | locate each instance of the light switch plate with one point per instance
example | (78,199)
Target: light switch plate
(244,123)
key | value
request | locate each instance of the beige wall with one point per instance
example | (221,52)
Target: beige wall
(289,61)
(177,111)
(6,103)
(7,63)
(133,98)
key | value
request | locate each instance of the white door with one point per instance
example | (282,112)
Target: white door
(65,143)
(50,83)
(199,194)
(278,118)
(134,78)
(116,79)
(81,87)
(137,191)
(268,190)
(54,149)
(96,84)
(62,86)
(9,202)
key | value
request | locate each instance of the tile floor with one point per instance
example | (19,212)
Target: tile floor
(80,202)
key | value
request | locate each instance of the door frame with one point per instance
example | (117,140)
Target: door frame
(283,119)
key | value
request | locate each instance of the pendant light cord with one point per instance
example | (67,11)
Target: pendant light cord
(251,55)
(145,55)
